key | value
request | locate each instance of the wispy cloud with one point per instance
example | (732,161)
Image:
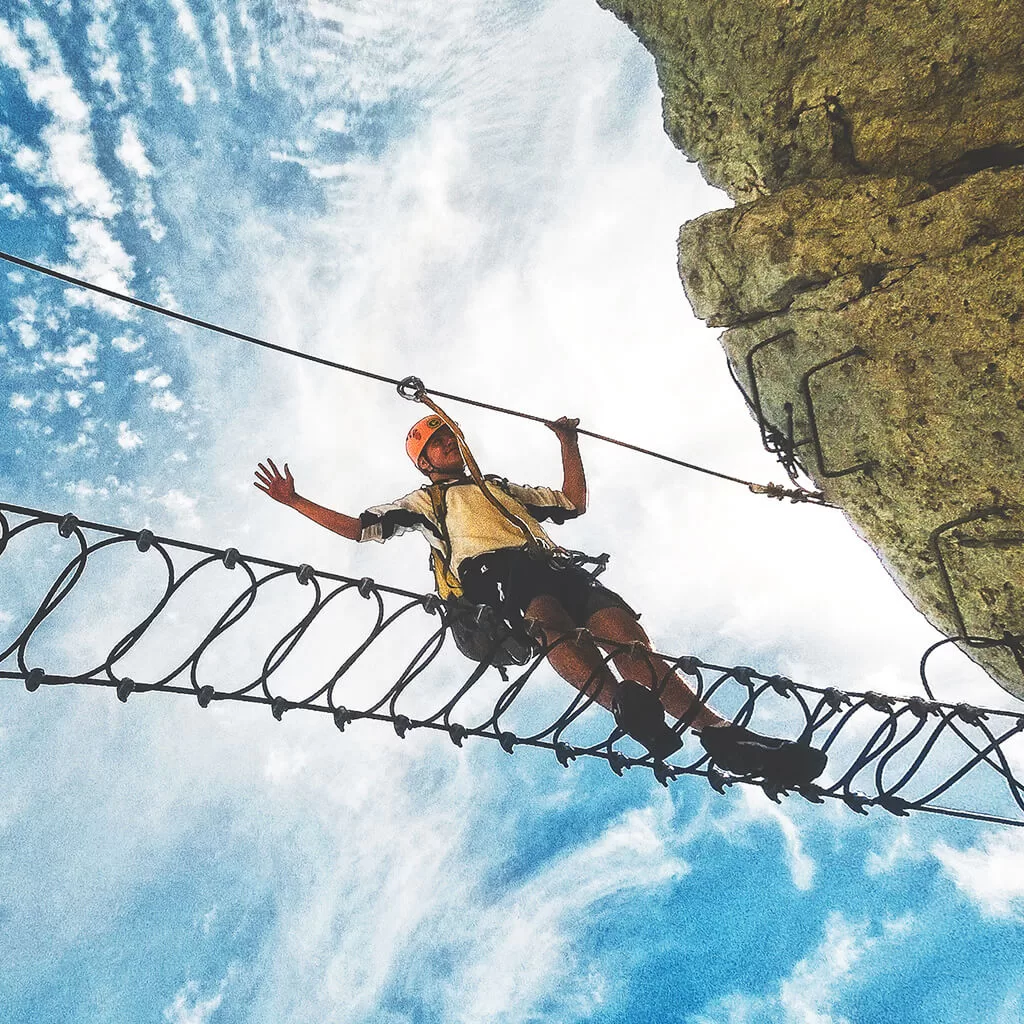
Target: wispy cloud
(188,1008)
(990,873)
(811,993)
(523,946)
(182,78)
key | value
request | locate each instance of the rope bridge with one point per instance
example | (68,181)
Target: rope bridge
(346,654)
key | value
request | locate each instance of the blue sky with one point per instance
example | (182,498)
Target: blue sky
(479,193)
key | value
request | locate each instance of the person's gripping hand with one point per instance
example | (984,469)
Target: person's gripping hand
(270,481)
(564,427)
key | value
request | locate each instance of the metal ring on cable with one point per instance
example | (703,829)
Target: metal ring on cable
(412,388)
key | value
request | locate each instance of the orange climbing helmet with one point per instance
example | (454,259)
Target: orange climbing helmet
(420,433)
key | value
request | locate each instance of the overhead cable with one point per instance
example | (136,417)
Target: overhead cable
(795,494)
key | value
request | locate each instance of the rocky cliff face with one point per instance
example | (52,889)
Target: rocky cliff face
(871,277)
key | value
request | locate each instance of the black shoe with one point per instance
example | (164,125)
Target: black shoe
(742,752)
(640,714)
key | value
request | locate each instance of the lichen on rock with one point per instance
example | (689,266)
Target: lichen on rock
(871,279)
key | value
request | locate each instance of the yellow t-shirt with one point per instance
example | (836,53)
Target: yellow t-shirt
(474,526)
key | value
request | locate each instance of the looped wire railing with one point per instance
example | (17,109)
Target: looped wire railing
(341,654)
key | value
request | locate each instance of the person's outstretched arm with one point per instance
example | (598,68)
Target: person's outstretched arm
(574,481)
(282,489)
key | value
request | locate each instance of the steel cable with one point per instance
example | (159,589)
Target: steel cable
(796,494)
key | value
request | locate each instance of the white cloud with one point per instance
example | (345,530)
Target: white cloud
(127,343)
(165,401)
(76,359)
(132,155)
(901,849)
(105,68)
(13,202)
(818,981)
(222,28)
(44,77)
(187,23)
(332,121)
(20,403)
(188,1008)
(127,438)
(74,398)
(24,324)
(181,506)
(85,489)
(97,257)
(182,78)
(523,945)
(70,164)
(130,150)
(990,874)
(163,380)
(753,809)
(253,59)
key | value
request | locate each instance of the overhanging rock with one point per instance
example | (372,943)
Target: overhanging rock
(871,279)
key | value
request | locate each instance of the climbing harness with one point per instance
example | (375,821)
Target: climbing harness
(491,635)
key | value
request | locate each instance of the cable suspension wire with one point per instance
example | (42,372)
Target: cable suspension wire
(898,754)
(795,494)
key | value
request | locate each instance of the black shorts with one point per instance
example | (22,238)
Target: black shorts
(509,579)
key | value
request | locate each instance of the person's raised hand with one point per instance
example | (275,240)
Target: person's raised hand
(270,481)
(564,427)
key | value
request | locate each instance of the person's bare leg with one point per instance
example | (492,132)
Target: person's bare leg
(640,663)
(578,662)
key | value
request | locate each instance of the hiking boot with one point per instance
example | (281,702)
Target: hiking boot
(742,752)
(640,714)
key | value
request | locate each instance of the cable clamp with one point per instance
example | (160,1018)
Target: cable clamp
(412,388)
(34,679)
(970,714)
(856,802)
(717,780)
(230,558)
(278,706)
(894,805)
(124,688)
(795,494)
(144,541)
(923,708)
(204,695)
(365,588)
(742,674)
(304,573)
(67,525)
(836,699)
(878,701)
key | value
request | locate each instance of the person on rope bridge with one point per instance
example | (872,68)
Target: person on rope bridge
(487,541)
